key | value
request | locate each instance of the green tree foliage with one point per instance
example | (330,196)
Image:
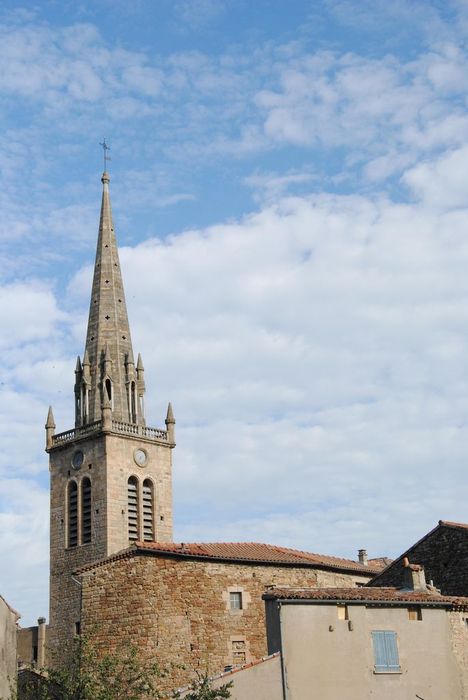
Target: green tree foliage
(202,689)
(85,674)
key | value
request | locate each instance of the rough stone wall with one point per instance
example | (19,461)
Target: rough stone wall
(8,620)
(177,610)
(444,555)
(108,463)
(459,635)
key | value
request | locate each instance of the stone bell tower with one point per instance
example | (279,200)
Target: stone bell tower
(111,475)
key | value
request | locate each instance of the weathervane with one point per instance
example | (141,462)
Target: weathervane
(105,148)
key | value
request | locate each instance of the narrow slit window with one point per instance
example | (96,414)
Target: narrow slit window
(86,511)
(148,511)
(109,390)
(72,514)
(132,508)
(133,404)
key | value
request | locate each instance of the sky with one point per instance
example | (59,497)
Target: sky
(289,182)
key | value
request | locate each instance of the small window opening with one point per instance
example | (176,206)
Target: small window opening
(109,389)
(342,612)
(235,600)
(414,613)
(77,628)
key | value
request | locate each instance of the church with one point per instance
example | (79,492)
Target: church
(115,571)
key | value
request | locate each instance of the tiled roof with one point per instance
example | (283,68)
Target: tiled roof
(379,562)
(253,552)
(373,595)
(448,523)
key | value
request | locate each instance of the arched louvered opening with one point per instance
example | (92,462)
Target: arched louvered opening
(72,514)
(85,511)
(132,508)
(148,511)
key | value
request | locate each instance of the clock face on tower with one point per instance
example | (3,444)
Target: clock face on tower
(140,457)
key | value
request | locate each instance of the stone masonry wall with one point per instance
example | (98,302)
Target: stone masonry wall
(178,610)
(108,463)
(459,630)
(444,555)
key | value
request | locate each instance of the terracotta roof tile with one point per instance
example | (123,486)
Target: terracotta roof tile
(255,551)
(377,595)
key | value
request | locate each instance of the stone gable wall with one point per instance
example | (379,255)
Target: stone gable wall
(177,611)
(444,555)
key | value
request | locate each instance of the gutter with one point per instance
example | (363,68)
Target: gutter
(283,667)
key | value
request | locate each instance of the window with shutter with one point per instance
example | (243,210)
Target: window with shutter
(85,511)
(385,652)
(72,514)
(132,508)
(148,534)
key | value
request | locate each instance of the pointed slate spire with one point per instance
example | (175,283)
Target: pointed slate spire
(50,422)
(170,423)
(108,340)
(50,428)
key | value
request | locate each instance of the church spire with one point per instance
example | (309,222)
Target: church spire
(108,340)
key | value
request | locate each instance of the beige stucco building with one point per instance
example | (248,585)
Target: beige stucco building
(366,643)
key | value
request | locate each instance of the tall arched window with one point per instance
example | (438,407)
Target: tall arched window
(72,514)
(85,511)
(132,508)
(148,515)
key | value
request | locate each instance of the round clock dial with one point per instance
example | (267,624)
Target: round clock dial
(77,459)
(140,457)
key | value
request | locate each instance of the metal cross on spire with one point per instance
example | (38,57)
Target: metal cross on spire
(105,148)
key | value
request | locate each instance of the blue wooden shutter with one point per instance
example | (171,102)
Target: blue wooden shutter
(385,651)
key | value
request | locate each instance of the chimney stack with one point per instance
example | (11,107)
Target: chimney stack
(363,557)
(415,578)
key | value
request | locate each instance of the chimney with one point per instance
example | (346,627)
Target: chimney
(362,553)
(415,578)
(41,642)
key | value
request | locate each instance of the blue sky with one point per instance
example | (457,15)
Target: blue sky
(289,186)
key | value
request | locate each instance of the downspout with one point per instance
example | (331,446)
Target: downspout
(283,667)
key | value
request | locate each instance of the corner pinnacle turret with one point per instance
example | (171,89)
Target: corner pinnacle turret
(106,374)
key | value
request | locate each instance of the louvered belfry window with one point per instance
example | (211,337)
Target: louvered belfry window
(85,511)
(132,508)
(72,514)
(148,532)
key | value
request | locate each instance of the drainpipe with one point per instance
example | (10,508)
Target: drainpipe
(283,667)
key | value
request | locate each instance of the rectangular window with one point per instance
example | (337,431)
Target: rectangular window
(414,613)
(235,600)
(385,652)
(342,612)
